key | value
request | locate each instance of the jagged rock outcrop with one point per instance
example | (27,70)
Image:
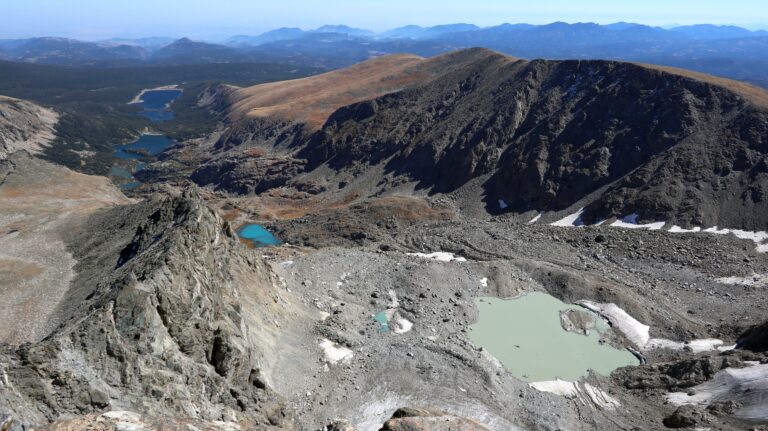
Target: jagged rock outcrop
(675,375)
(248,175)
(24,126)
(161,328)
(755,339)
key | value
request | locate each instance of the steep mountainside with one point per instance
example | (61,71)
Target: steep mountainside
(24,125)
(543,135)
(139,315)
(41,203)
(151,307)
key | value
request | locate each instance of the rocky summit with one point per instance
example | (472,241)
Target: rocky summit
(406,195)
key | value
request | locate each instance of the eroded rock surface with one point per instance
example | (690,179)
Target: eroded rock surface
(24,126)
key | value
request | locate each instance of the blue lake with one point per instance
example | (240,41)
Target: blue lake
(157,104)
(258,236)
(144,147)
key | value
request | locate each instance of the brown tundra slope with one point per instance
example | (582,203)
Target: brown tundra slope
(538,135)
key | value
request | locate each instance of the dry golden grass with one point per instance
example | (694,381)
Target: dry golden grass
(312,100)
(16,269)
(408,208)
(752,93)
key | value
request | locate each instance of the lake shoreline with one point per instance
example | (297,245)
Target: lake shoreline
(137,98)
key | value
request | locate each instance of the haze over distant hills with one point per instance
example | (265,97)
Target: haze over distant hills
(729,51)
(230,236)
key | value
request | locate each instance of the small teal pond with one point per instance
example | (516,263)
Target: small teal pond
(258,236)
(383,321)
(157,104)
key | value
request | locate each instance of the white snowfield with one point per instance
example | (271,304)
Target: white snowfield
(748,387)
(678,229)
(581,391)
(335,353)
(639,334)
(630,222)
(401,325)
(570,220)
(398,323)
(440,256)
(754,280)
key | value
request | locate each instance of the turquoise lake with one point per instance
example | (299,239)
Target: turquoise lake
(525,335)
(258,236)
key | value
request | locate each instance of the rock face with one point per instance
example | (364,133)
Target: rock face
(24,126)
(755,339)
(687,417)
(248,175)
(156,324)
(546,134)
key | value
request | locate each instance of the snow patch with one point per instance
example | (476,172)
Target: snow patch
(630,222)
(121,415)
(696,346)
(570,220)
(678,229)
(440,256)
(484,282)
(632,329)
(756,237)
(715,231)
(401,325)
(584,392)
(754,280)
(639,334)
(747,386)
(557,387)
(535,219)
(335,353)
(393,302)
(503,205)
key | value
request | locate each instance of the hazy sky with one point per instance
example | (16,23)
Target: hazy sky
(94,19)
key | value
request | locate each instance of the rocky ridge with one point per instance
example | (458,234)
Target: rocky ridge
(544,136)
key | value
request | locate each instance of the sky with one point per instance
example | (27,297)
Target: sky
(218,19)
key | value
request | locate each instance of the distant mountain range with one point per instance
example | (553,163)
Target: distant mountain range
(722,50)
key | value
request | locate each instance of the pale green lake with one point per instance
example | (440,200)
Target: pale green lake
(525,335)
